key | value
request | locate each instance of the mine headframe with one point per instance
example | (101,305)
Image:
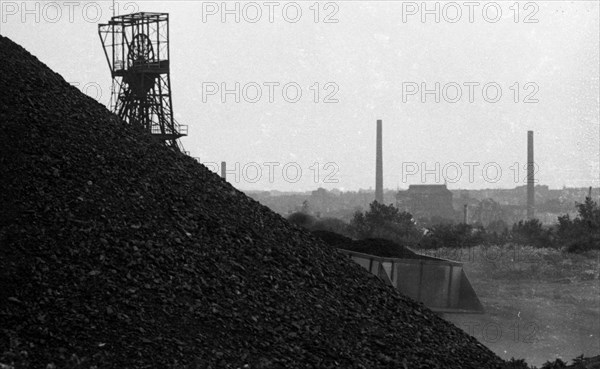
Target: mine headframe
(137,50)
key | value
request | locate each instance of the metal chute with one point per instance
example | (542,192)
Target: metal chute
(439,284)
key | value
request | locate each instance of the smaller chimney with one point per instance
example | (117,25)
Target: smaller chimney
(465,214)
(530,177)
(379,165)
(223,170)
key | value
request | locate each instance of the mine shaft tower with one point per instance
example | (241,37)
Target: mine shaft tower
(137,50)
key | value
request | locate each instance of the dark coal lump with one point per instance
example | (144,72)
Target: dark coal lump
(117,252)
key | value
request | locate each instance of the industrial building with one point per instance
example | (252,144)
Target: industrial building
(426,201)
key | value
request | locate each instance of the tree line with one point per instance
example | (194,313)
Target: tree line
(577,234)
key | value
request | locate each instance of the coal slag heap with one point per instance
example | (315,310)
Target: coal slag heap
(117,252)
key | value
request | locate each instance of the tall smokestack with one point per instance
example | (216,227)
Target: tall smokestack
(530,177)
(379,165)
(223,170)
(465,214)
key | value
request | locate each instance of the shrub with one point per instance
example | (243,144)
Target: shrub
(332,225)
(498,226)
(453,236)
(301,219)
(582,244)
(531,232)
(515,364)
(556,364)
(387,222)
(582,233)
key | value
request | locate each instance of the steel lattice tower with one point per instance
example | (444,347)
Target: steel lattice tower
(137,50)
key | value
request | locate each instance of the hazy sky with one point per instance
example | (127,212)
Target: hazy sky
(368,59)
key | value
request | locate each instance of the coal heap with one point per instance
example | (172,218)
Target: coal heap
(117,252)
(383,247)
(373,246)
(332,238)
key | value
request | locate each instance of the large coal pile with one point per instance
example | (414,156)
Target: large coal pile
(333,238)
(119,253)
(373,246)
(383,247)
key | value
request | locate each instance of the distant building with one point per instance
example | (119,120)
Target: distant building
(426,201)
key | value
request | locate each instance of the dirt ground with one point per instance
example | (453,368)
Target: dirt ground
(540,304)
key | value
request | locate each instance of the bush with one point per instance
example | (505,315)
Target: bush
(556,364)
(453,236)
(582,244)
(387,222)
(582,233)
(498,227)
(332,225)
(531,232)
(515,364)
(578,363)
(301,219)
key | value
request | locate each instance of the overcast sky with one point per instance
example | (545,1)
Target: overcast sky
(367,59)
